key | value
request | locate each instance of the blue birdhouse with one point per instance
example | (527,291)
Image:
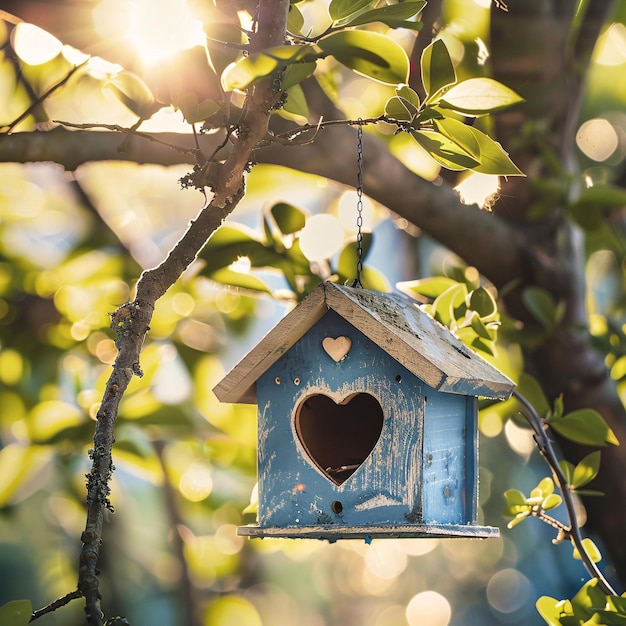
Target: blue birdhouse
(367,420)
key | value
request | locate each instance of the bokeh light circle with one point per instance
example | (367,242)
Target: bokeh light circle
(321,237)
(428,608)
(597,139)
(509,590)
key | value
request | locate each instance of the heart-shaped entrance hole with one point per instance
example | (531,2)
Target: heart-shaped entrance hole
(339,437)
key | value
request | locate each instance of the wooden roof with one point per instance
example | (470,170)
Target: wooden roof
(394,323)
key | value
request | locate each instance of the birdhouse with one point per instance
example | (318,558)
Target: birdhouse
(367,420)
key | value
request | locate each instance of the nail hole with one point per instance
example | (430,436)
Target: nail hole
(277,380)
(296,381)
(398,378)
(336,506)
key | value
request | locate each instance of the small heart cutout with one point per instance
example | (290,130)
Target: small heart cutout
(337,349)
(339,437)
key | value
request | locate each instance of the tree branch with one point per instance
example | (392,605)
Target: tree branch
(489,243)
(57,604)
(131,321)
(547,451)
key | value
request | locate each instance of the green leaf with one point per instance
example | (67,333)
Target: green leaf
(477,96)
(249,70)
(529,387)
(617,604)
(450,305)
(602,194)
(429,113)
(296,73)
(230,242)
(480,329)
(369,53)
(16,613)
(549,609)
(296,106)
(373,279)
(480,345)
(288,218)
(195,111)
(220,33)
(346,266)
(270,239)
(295,20)
(295,260)
(545,487)
(483,303)
(134,93)
(551,501)
(437,68)
(445,151)
(493,159)
(460,133)
(558,409)
(589,492)
(589,596)
(393,15)
(542,306)
(400,109)
(237,279)
(515,502)
(340,9)
(584,426)
(568,471)
(427,287)
(51,418)
(518,519)
(405,92)
(586,470)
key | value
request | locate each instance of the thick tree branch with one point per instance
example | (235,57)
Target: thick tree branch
(489,243)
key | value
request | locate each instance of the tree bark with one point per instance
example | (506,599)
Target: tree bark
(533,52)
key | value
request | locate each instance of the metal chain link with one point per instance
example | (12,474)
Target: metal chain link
(359,205)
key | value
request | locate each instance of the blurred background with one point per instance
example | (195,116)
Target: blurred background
(72,245)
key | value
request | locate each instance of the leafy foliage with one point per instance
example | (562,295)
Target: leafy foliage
(234,246)
(588,606)
(16,613)
(542,498)
(467,308)
(434,124)
(584,426)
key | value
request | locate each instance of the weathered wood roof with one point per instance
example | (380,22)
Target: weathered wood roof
(394,323)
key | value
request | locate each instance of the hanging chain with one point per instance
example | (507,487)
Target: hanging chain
(359,205)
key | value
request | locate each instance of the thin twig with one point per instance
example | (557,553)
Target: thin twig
(547,451)
(57,604)
(131,131)
(287,137)
(122,129)
(45,95)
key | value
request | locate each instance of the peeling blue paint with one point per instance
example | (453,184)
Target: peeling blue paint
(420,478)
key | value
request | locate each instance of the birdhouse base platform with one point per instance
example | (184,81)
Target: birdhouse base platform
(333,532)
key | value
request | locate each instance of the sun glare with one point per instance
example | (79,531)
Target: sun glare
(155,28)
(34,45)
(480,189)
(611,46)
